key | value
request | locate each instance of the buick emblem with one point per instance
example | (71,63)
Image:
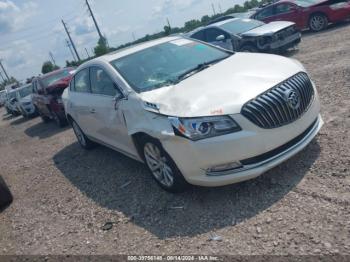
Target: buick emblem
(292,98)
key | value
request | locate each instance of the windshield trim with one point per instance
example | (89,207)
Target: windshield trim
(138,90)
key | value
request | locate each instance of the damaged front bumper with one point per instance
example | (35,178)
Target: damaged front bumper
(248,153)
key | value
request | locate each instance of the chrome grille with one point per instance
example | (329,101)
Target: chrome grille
(282,104)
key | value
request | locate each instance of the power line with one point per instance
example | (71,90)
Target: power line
(53,60)
(3,79)
(71,41)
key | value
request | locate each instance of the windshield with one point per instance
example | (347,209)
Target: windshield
(49,80)
(239,26)
(25,91)
(164,64)
(307,3)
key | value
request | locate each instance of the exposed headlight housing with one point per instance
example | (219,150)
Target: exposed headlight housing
(204,127)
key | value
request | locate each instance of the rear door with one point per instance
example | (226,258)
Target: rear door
(80,100)
(107,107)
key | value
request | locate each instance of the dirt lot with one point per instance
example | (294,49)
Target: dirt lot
(63,194)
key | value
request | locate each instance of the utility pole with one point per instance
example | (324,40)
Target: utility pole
(3,69)
(70,49)
(71,41)
(95,22)
(220,8)
(133,36)
(53,60)
(3,79)
(87,52)
(212,5)
(168,23)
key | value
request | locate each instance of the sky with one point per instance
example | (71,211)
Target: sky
(30,29)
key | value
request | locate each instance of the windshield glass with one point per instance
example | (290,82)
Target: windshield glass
(239,26)
(163,64)
(49,80)
(307,3)
(25,91)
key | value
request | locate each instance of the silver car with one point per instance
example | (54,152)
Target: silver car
(249,35)
(24,101)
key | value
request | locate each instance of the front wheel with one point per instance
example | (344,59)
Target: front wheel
(162,167)
(318,22)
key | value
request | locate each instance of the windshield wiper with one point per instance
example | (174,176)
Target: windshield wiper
(198,68)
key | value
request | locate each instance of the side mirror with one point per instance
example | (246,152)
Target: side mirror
(220,38)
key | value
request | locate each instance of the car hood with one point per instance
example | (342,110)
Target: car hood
(268,29)
(26,99)
(222,88)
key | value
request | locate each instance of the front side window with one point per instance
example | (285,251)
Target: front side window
(283,8)
(164,64)
(101,83)
(199,35)
(25,91)
(82,81)
(239,26)
(213,33)
(267,12)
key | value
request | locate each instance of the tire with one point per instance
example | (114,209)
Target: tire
(5,194)
(45,119)
(167,174)
(60,122)
(249,49)
(318,22)
(83,140)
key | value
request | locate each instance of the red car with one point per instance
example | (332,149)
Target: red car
(313,14)
(47,92)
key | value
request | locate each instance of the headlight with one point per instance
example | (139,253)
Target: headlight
(204,127)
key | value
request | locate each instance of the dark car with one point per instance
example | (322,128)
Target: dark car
(249,35)
(47,92)
(312,14)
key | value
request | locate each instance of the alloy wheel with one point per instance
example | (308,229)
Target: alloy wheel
(317,22)
(158,164)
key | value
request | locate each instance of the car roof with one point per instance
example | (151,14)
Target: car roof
(135,48)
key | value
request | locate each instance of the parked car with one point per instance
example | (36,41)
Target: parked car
(248,35)
(247,14)
(47,92)
(11,103)
(312,14)
(24,101)
(2,97)
(194,113)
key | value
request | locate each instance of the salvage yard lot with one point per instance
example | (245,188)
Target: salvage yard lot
(63,195)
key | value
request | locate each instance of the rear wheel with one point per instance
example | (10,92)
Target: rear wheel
(5,194)
(59,120)
(83,140)
(318,22)
(162,167)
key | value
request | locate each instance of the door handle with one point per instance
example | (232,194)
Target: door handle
(92,111)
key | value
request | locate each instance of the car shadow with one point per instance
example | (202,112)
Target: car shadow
(119,183)
(44,130)
(20,120)
(330,28)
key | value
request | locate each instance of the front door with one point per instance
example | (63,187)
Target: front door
(106,108)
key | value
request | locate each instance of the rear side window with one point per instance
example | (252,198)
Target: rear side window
(82,81)
(101,83)
(283,8)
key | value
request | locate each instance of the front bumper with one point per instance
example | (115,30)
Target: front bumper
(254,147)
(286,43)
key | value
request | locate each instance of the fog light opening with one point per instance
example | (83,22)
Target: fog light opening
(225,167)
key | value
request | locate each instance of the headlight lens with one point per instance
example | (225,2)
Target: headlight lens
(204,127)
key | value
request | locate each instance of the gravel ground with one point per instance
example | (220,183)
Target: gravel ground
(64,195)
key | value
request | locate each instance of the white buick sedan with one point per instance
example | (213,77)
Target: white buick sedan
(194,113)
